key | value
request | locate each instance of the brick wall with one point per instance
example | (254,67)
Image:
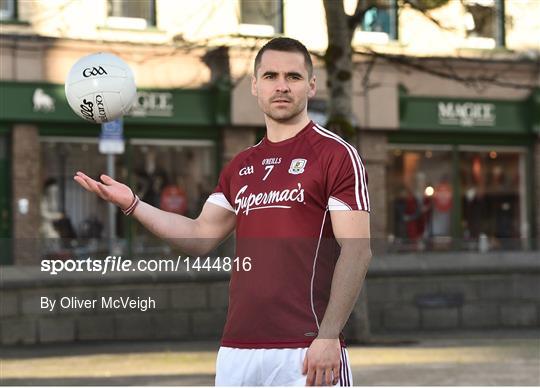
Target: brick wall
(483,301)
(26,186)
(449,291)
(405,292)
(184,311)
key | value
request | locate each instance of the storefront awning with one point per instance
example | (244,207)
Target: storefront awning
(43,102)
(465,115)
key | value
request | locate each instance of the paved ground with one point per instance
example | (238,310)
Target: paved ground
(492,358)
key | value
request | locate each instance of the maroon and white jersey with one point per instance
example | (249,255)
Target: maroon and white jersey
(282,194)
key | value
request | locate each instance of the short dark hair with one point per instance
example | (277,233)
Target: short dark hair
(285,44)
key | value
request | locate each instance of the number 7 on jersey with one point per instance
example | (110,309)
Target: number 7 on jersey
(268,171)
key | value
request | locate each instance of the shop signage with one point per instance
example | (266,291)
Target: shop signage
(467,114)
(42,102)
(463,115)
(153,104)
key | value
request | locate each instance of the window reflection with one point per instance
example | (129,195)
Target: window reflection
(489,214)
(491,200)
(420,198)
(73,222)
(173,175)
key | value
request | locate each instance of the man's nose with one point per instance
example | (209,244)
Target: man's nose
(282,85)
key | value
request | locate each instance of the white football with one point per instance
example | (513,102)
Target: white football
(100,88)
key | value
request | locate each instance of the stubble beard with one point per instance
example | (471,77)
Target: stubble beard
(282,115)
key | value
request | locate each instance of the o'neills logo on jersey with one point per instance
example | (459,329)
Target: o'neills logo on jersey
(267,200)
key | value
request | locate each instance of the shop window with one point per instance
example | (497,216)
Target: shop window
(131,14)
(493,206)
(73,222)
(488,214)
(419,198)
(480,21)
(176,176)
(375,26)
(261,17)
(8,9)
(376,19)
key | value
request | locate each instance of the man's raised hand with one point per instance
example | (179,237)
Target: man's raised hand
(108,189)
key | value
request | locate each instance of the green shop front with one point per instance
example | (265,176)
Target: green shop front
(460,174)
(171,160)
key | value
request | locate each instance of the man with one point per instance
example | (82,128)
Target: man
(289,198)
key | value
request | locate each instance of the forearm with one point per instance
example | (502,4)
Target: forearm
(174,228)
(349,275)
(195,237)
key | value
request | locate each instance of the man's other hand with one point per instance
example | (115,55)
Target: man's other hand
(322,362)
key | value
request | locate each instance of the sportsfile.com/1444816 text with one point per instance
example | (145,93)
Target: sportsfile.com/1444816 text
(118,264)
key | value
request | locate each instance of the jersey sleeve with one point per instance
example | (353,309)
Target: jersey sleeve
(347,181)
(222,195)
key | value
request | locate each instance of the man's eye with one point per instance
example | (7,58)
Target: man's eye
(269,76)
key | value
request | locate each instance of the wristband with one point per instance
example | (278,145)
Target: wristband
(131,208)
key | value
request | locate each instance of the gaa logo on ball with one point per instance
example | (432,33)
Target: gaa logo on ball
(93,71)
(100,88)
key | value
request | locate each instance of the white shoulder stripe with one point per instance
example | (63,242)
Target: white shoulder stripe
(365,192)
(359,170)
(356,178)
(220,200)
(365,195)
(336,204)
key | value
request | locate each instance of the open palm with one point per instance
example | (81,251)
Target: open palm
(108,189)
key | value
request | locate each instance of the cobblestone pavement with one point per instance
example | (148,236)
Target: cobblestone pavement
(492,358)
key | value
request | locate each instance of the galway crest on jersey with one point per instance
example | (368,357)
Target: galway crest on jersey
(297,166)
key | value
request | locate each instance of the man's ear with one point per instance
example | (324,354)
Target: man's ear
(312,87)
(254,85)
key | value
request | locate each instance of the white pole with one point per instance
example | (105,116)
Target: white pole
(111,207)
